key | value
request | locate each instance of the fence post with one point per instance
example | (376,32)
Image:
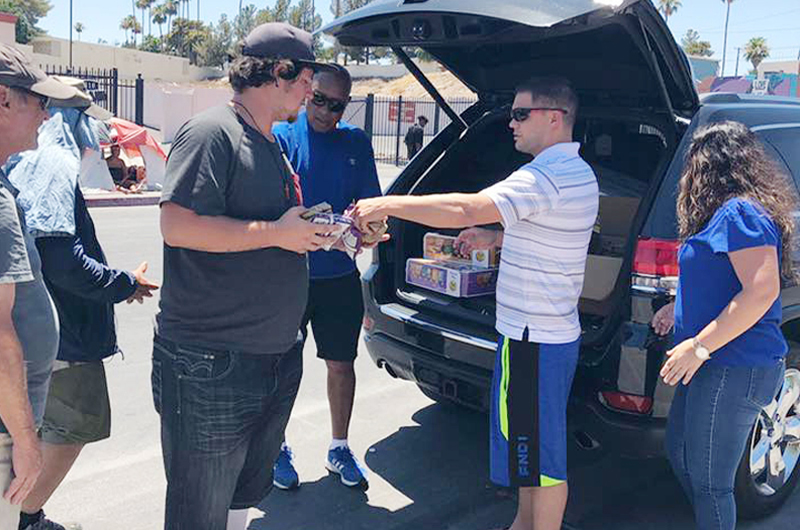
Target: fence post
(139,100)
(114,92)
(399,125)
(436,118)
(369,115)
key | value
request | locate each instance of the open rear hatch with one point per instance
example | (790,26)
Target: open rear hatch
(617,54)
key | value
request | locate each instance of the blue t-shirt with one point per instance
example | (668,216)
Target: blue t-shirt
(708,282)
(336,167)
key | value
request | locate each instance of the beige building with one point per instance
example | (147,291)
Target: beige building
(778,67)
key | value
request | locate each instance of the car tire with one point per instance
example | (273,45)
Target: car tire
(760,493)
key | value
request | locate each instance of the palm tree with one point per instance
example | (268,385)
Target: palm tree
(128,23)
(142,4)
(159,17)
(756,50)
(668,7)
(171,10)
(79,27)
(150,4)
(725,38)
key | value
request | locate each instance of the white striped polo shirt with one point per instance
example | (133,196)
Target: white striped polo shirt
(549,207)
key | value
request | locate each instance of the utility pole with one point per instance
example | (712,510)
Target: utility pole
(737,61)
(70,36)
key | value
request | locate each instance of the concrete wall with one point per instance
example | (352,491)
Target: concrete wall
(49,51)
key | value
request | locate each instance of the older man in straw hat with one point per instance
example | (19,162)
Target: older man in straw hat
(28,325)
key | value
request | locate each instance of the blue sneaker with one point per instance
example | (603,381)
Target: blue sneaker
(342,462)
(284,475)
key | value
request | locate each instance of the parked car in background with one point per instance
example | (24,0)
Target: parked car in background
(639,108)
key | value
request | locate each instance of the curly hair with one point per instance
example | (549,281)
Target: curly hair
(727,161)
(252,72)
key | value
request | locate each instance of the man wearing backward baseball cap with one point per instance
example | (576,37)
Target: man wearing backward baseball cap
(28,323)
(227,351)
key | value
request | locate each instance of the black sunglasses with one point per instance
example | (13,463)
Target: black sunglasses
(44,101)
(521,114)
(334,105)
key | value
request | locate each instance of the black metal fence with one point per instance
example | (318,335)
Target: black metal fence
(124,98)
(386,121)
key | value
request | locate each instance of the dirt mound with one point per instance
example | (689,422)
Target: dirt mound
(408,87)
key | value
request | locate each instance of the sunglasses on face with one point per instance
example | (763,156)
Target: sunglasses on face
(521,114)
(336,106)
(43,101)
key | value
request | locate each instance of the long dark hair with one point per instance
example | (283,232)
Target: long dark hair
(726,161)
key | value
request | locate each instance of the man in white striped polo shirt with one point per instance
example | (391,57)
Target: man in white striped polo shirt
(548,209)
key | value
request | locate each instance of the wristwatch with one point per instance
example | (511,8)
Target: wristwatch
(700,351)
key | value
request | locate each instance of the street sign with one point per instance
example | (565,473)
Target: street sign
(409,111)
(760,87)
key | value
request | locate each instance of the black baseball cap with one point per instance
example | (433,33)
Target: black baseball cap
(16,71)
(278,40)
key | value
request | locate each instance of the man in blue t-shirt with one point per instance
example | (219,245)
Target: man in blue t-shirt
(335,163)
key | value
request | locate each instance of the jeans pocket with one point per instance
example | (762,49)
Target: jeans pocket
(155,383)
(194,365)
(764,384)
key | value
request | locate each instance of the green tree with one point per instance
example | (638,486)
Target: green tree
(692,44)
(185,38)
(725,38)
(151,44)
(304,16)
(245,21)
(668,8)
(214,50)
(756,50)
(28,13)
(279,13)
(142,5)
(356,53)
(79,27)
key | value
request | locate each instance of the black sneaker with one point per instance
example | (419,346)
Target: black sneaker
(43,523)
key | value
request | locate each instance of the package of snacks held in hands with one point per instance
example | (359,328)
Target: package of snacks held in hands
(450,278)
(344,229)
(443,248)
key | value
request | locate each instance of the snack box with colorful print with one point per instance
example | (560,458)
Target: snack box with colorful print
(442,248)
(455,279)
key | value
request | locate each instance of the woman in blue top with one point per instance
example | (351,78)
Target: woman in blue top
(735,223)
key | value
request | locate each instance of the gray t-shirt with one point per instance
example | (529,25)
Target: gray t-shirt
(34,314)
(250,302)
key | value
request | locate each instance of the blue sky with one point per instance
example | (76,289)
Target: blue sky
(776,20)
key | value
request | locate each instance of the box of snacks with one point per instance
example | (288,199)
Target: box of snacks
(461,280)
(442,248)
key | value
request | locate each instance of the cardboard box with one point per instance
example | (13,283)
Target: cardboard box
(442,248)
(453,279)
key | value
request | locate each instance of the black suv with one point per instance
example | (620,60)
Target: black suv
(639,108)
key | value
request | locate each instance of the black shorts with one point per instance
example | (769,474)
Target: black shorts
(335,309)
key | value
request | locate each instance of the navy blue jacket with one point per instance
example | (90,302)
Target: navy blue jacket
(84,289)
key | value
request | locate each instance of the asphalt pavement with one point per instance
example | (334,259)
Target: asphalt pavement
(427,462)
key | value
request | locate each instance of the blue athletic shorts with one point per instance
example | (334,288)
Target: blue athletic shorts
(528,432)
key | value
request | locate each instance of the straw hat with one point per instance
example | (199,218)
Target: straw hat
(82,99)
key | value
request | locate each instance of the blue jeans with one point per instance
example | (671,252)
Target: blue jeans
(709,425)
(223,416)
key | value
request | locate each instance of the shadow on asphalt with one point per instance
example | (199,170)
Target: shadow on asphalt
(437,472)
(437,475)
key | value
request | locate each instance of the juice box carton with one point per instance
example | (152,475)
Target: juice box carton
(461,280)
(442,248)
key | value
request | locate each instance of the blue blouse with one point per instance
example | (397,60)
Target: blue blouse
(708,282)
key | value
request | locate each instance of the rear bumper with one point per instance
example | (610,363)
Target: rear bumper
(590,422)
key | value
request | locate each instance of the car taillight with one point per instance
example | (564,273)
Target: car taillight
(627,402)
(657,257)
(655,264)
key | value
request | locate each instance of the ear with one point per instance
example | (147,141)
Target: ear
(5,95)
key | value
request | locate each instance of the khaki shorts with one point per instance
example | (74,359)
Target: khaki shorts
(77,409)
